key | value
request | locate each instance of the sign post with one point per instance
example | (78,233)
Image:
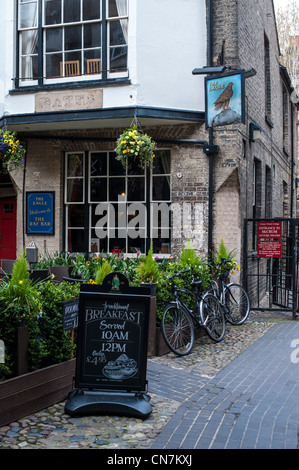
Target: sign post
(112,350)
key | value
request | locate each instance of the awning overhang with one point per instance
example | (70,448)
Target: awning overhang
(99,118)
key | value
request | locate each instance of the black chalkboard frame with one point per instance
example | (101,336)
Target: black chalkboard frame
(93,295)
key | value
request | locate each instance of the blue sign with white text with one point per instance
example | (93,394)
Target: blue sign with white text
(40,213)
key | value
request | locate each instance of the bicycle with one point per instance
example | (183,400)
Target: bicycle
(233,298)
(179,321)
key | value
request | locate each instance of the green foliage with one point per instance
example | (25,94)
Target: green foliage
(47,343)
(148,270)
(41,305)
(188,256)
(55,259)
(103,271)
(222,254)
(135,145)
(18,294)
(199,270)
(11,152)
(57,343)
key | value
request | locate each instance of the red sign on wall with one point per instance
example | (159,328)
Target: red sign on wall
(269,230)
(269,248)
(271,245)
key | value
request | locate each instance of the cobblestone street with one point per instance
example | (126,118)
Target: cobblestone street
(173,381)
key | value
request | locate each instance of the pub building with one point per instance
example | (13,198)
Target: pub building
(79,72)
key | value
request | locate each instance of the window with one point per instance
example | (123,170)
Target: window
(72,38)
(109,209)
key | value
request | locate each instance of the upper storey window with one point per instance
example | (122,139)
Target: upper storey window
(72,40)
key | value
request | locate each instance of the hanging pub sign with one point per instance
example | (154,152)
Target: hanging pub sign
(40,212)
(111,349)
(225,99)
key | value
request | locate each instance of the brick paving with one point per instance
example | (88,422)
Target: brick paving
(253,403)
(240,393)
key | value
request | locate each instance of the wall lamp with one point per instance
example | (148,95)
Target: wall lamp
(255,132)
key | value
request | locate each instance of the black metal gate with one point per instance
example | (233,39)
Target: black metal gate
(271,263)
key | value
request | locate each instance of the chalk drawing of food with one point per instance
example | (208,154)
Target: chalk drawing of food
(121,368)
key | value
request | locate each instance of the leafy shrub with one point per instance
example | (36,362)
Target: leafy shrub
(58,344)
(148,270)
(47,342)
(103,271)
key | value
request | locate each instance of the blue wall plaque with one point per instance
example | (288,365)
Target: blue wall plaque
(40,212)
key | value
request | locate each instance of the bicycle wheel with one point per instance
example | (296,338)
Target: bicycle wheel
(212,317)
(177,330)
(237,304)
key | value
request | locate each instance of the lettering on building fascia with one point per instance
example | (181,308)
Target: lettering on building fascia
(68,100)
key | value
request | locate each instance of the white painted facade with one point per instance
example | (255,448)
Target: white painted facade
(166,41)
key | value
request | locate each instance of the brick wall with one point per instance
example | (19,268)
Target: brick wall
(43,173)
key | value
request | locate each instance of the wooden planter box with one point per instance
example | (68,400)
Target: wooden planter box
(32,392)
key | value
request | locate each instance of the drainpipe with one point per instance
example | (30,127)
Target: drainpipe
(210,33)
(23,195)
(211,136)
(292,160)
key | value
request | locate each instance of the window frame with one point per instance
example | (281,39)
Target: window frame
(89,204)
(42,80)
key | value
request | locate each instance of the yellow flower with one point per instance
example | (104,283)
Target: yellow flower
(87,263)
(20,282)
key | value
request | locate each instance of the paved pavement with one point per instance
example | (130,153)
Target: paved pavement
(242,393)
(253,403)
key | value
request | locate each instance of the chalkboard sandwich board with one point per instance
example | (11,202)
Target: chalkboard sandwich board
(112,351)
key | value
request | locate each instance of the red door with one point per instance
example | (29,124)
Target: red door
(8,228)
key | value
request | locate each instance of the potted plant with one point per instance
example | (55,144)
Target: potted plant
(133,146)
(148,271)
(225,267)
(20,303)
(11,152)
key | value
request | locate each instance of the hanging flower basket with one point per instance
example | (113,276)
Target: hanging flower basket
(11,152)
(133,146)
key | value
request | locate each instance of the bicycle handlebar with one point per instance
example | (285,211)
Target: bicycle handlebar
(179,273)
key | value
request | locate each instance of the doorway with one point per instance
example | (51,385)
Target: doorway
(8,228)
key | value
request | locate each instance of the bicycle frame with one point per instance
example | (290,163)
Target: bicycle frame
(198,296)
(180,304)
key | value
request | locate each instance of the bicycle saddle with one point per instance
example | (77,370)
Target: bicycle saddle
(196,283)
